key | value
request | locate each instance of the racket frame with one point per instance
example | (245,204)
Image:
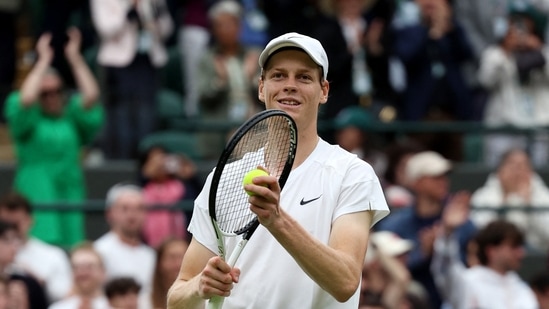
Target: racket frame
(217,301)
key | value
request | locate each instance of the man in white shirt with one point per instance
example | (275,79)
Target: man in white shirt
(309,249)
(123,252)
(491,281)
(89,278)
(47,263)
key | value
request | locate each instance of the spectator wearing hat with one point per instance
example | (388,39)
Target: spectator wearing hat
(385,278)
(122,250)
(395,185)
(427,177)
(351,125)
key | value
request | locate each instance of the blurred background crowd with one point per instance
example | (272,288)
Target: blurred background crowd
(148,91)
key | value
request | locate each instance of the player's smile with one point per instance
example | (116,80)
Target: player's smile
(289,102)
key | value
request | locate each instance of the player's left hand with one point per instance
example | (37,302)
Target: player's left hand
(217,278)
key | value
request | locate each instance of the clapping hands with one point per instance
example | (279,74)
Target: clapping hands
(72,49)
(456,212)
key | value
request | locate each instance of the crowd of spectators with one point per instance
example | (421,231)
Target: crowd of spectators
(412,61)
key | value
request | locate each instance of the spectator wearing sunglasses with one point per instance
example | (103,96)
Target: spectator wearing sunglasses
(49,128)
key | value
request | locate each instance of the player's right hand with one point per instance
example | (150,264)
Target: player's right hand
(217,278)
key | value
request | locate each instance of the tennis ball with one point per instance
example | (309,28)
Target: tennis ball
(249,177)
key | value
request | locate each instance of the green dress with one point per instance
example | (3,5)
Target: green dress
(48,162)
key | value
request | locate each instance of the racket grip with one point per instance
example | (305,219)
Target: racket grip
(236,253)
(216,302)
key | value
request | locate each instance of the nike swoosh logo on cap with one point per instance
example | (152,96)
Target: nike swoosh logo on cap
(303,201)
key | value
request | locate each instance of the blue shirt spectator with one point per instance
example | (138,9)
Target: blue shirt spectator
(427,174)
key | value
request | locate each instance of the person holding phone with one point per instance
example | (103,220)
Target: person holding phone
(514,72)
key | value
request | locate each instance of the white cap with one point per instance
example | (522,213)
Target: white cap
(390,243)
(309,45)
(427,163)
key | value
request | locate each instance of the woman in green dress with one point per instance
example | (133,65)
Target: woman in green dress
(49,129)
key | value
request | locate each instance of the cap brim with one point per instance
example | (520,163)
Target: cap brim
(271,50)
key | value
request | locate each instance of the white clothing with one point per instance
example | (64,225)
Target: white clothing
(193,44)
(484,288)
(478,287)
(49,264)
(534,224)
(446,268)
(513,103)
(120,259)
(120,37)
(73,302)
(510,102)
(337,183)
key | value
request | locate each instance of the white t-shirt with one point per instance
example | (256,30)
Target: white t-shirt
(484,288)
(336,183)
(120,259)
(49,264)
(73,302)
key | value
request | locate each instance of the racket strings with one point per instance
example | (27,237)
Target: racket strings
(266,144)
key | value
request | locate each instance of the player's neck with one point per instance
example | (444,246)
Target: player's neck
(305,146)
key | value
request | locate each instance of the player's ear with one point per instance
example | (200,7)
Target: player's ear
(325,89)
(260,94)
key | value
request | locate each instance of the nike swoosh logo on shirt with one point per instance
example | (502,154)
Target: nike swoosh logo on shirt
(303,201)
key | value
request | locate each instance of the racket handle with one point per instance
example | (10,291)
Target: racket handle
(236,253)
(216,302)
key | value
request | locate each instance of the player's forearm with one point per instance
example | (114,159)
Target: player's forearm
(184,295)
(336,271)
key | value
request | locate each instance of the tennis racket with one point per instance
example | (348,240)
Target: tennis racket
(268,139)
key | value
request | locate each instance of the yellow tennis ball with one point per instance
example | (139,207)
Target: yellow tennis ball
(249,177)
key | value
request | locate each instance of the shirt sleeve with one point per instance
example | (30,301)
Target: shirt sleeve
(361,191)
(87,121)
(21,120)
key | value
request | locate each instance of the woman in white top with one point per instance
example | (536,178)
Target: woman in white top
(517,186)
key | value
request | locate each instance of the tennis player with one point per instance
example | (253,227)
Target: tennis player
(309,250)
